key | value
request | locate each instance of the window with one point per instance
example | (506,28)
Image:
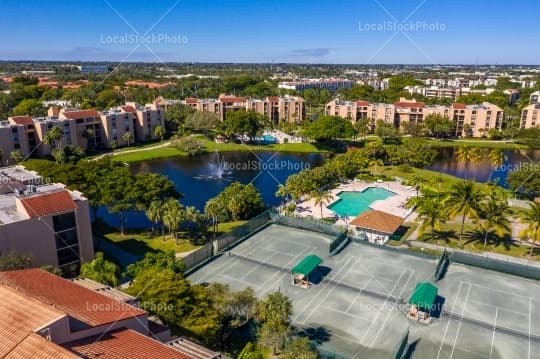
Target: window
(79,120)
(65,221)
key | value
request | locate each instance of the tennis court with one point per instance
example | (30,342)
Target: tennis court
(356,306)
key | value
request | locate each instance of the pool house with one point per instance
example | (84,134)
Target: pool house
(375,226)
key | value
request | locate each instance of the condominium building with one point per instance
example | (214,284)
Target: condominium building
(45,316)
(534,98)
(276,109)
(45,221)
(477,119)
(88,129)
(530,116)
(331,85)
(434,91)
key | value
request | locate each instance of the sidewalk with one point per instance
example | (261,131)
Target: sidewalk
(165,144)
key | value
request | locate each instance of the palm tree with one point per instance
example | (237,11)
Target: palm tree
(127,137)
(172,216)
(496,158)
(468,154)
(53,137)
(531,217)
(215,209)
(464,199)
(154,213)
(159,132)
(16,156)
(432,214)
(101,270)
(320,198)
(494,215)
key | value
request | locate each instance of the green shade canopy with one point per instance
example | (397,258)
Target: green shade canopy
(424,295)
(307,265)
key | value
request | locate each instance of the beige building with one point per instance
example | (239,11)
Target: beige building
(276,109)
(434,91)
(530,116)
(481,118)
(45,221)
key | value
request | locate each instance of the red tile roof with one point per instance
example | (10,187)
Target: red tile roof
(124,344)
(378,221)
(459,106)
(407,104)
(128,109)
(21,120)
(73,115)
(35,346)
(78,302)
(21,315)
(273,98)
(45,204)
(232,99)
(191,100)
(362,103)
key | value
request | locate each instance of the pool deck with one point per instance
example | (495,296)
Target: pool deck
(393,205)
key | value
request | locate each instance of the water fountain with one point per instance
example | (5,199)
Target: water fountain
(219,168)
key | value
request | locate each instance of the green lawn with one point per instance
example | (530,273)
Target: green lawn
(484,143)
(404,232)
(211,146)
(473,241)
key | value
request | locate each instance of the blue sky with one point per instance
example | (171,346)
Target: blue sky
(300,31)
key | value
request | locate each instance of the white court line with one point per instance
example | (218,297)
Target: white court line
(449,320)
(344,313)
(334,286)
(504,292)
(243,281)
(460,319)
(499,307)
(393,306)
(275,251)
(494,329)
(380,311)
(209,277)
(256,266)
(472,352)
(530,318)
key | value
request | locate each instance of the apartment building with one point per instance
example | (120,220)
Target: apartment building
(88,129)
(332,84)
(530,116)
(480,118)
(276,109)
(45,221)
(46,316)
(534,98)
(435,91)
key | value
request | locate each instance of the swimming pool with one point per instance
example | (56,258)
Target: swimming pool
(351,204)
(269,139)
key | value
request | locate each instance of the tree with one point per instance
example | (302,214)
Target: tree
(327,128)
(101,270)
(464,199)
(12,260)
(159,131)
(493,217)
(67,154)
(250,351)
(115,190)
(274,312)
(16,156)
(439,126)
(196,223)
(242,123)
(496,158)
(53,137)
(128,137)
(299,348)
(113,144)
(432,214)
(240,201)
(202,121)
(159,261)
(526,181)
(108,98)
(320,198)
(154,213)
(235,309)
(531,217)
(190,144)
(172,216)
(175,117)
(217,211)
(362,127)
(30,107)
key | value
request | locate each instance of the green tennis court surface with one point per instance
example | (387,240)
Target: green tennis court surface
(354,307)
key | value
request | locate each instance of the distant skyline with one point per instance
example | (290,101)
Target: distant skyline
(341,32)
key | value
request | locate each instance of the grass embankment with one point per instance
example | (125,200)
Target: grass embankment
(141,241)
(211,146)
(482,143)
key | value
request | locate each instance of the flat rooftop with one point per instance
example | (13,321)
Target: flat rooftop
(352,308)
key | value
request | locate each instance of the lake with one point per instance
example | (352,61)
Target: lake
(195,177)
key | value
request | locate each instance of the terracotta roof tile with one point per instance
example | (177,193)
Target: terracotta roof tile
(73,115)
(191,100)
(273,98)
(69,297)
(406,104)
(232,99)
(128,109)
(35,346)
(124,344)
(362,103)
(21,315)
(378,220)
(21,120)
(44,204)
(459,106)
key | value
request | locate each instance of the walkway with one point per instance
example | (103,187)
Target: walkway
(165,144)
